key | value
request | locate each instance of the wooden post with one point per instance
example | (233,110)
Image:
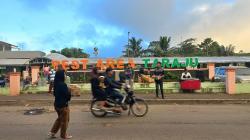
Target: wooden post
(15,83)
(230,81)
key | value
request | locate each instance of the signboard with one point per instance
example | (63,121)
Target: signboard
(119,63)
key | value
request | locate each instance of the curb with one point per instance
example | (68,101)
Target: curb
(149,101)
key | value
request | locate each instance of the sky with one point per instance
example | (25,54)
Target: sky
(55,24)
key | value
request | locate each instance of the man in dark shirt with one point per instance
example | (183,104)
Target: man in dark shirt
(200,74)
(112,85)
(158,76)
(129,76)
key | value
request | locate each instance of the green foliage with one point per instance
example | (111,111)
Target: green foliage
(229,50)
(54,51)
(165,43)
(72,52)
(212,48)
(79,77)
(134,49)
(188,48)
(159,48)
(4,91)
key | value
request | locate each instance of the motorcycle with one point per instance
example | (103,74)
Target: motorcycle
(137,106)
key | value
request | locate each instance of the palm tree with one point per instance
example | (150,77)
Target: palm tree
(164,44)
(230,50)
(222,51)
(134,48)
(188,47)
(206,45)
(241,52)
(159,48)
(154,49)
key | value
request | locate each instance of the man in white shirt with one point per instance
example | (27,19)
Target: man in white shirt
(186,75)
(52,74)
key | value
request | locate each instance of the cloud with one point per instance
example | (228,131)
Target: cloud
(201,9)
(143,18)
(53,25)
(87,35)
(225,22)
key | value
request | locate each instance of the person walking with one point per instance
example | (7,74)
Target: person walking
(158,76)
(51,78)
(129,76)
(62,97)
(46,70)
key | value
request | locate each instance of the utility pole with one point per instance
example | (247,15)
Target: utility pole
(128,44)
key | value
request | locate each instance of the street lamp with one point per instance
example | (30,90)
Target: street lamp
(128,43)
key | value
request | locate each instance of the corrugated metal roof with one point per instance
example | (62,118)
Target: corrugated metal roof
(13,62)
(232,59)
(56,56)
(7,44)
(21,54)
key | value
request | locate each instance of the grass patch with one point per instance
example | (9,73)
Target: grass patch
(35,90)
(4,91)
(242,88)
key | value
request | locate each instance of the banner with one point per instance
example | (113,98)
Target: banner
(119,63)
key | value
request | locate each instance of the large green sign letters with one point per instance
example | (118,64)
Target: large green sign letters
(166,63)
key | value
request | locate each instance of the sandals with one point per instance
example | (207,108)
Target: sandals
(67,137)
(52,135)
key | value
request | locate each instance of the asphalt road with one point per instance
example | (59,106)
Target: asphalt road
(163,122)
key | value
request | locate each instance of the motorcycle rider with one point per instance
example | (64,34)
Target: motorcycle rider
(97,89)
(112,85)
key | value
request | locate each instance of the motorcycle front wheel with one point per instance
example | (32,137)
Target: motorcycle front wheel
(139,108)
(95,109)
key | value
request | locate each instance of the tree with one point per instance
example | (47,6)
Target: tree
(205,45)
(222,51)
(174,52)
(159,48)
(154,49)
(74,52)
(134,48)
(188,48)
(54,51)
(146,53)
(241,52)
(213,48)
(164,44)
(229,50)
